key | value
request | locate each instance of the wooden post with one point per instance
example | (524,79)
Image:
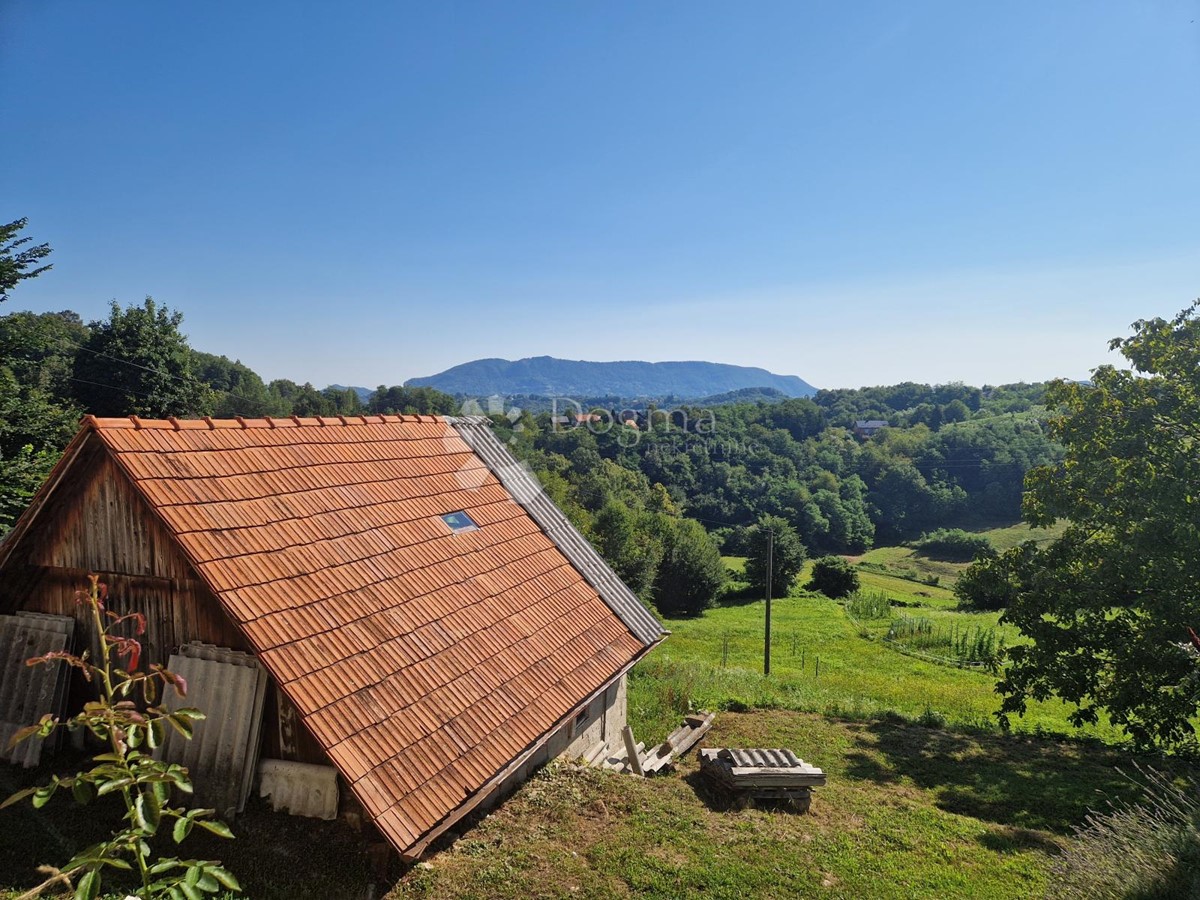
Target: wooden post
(635,762)
(770,578)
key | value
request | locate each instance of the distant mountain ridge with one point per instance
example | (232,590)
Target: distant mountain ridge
(551,377)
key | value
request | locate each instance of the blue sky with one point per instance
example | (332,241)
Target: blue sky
(855,193)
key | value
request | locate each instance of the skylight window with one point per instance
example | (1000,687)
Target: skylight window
(459,522)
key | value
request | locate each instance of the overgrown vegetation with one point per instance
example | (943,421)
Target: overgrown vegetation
(1145,848)
(833,576)
(954,545)
(964,644)
(869,605)
(129,720)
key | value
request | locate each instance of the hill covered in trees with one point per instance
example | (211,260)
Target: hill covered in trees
(549,377)
(659,496)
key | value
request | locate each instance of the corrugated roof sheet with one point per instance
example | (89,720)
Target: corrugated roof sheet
(424,661)
(29,692)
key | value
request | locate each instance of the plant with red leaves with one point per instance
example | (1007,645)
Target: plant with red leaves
(130,728)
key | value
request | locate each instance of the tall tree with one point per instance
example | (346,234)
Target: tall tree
(787,555)
(1107,606)
(691,572)
(137,362)
(17,264)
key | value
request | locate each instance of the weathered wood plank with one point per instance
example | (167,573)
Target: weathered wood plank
(635,762)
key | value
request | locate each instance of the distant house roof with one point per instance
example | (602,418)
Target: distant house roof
(871,423)
(427,656)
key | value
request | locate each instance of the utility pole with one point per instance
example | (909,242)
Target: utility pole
(770,578)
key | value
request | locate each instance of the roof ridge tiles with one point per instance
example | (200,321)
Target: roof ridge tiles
(173,423)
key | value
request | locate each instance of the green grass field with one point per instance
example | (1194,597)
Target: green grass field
(926,796)
(905,562)
(716,661)
(908,812)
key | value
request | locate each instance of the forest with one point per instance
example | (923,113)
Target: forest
(661,496)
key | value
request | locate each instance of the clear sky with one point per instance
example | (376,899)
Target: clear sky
(856,193)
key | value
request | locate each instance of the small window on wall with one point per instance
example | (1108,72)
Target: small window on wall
(579,723)
(459,522)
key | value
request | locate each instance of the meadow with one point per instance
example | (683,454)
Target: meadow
(927,796)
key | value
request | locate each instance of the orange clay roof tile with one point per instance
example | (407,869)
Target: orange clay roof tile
(424,661)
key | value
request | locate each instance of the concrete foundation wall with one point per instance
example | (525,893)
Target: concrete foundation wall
(602,720)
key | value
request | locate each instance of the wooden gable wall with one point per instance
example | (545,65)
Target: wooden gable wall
(96,522)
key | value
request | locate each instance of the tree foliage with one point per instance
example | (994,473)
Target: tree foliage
(137,362)
(18,261)
(691,572)
(833,576)
(787,556)
(1107,606)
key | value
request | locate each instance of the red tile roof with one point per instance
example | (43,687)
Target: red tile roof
(424,661)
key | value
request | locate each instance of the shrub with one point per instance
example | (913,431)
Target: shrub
(954,545)
(142,782)
(1146,849)
(834,577)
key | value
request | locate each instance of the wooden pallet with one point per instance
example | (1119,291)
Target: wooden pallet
(775,774)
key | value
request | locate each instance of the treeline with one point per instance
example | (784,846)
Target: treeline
(730,466)
(54,368)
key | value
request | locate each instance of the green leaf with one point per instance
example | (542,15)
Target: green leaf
(83,791)
(208,883)
(89,886)
(42,795)
(17,797)
(226,878)
(182,725)
(152,808)
(216,827)
(139,814)
(183,827)
(191,892)
(192,876)
(189,712)
(107,787)
(155,733)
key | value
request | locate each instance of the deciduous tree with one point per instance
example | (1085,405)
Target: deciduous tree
(788,555)
(17,261)
(137,362)
(1107,606)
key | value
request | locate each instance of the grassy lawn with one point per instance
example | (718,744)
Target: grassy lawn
(908,812)
(858,677)
(906,563)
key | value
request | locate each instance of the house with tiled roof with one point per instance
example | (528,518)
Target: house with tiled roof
(432,625)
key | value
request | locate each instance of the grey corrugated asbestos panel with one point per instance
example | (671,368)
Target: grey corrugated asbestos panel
(29,692)
(476,431)
(301,789)
(229,687)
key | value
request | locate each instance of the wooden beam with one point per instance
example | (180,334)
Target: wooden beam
(635,762)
